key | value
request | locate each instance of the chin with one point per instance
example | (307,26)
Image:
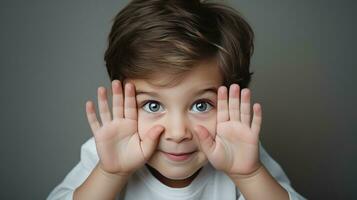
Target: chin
(177,171)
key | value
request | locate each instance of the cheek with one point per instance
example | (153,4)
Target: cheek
(209,123)
(144,124)
(210,126)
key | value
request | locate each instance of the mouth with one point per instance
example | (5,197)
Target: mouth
(177,157)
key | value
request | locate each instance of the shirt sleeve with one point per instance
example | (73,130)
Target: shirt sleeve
(88,160)
(277,172)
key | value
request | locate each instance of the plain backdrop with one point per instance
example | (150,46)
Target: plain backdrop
(304,64)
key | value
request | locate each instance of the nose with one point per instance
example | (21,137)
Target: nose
(177,129)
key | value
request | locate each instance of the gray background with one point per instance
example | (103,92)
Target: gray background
(304,63)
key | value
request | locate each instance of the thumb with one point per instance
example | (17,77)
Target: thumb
(204,139)
(149,142)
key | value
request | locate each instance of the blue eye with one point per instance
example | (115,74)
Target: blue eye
(201,106)
(152,106)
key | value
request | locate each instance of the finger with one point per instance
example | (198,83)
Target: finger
(118,104)
(245,107)
(234,111)
(257,118)
(130,102)
(91,117)
(149,142)
(204,139)
(104,112)
(222,105)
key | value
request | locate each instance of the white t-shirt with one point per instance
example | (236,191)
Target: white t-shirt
(209,184)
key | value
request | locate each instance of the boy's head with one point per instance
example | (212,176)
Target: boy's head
(177,53)
(172,36)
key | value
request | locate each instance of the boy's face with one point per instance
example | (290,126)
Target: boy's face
(179,109)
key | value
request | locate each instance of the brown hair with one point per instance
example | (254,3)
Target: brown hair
(171,36)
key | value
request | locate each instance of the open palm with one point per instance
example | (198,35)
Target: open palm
(119,147)
(234,148)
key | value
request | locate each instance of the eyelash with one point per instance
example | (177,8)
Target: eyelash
(206,101)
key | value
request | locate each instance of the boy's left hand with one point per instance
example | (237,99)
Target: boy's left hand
(234,148)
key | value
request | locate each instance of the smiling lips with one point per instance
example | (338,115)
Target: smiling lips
(178,156)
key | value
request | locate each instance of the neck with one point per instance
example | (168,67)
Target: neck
(172,182)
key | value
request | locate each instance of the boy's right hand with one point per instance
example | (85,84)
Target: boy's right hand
(120,149)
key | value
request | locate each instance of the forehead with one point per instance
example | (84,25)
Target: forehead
(204,75)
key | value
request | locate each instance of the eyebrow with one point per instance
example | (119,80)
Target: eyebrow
(200,92)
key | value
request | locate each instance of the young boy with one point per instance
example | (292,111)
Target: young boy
(180,126)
